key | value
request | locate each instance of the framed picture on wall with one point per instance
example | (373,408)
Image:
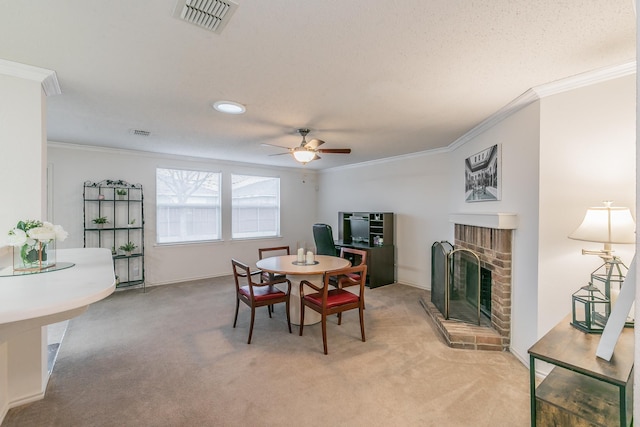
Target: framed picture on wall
(482,175)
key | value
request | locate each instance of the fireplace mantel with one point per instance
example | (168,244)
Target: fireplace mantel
(497,220)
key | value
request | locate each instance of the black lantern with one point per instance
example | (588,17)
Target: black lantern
(590,309)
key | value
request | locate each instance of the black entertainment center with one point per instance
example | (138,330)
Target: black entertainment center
(372,232)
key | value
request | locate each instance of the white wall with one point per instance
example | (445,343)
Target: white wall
(73,165)
(636,383)
(23,367)
(587,151)
(518,136)
(22,176)
(414,188)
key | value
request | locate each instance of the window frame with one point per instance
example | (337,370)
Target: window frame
(278,209)
(218,207)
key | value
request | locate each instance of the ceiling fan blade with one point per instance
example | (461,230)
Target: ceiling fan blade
(314,143)
(273,145)
(335,150)
(316,157)
(278,154)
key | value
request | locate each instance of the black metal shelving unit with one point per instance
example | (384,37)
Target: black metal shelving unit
(125,216)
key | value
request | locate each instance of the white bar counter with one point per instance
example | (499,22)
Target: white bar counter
(30,302)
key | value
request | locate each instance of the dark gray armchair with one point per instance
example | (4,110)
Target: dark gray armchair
(323,237)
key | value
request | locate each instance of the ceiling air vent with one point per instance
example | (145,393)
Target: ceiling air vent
(138,132)
(212,15)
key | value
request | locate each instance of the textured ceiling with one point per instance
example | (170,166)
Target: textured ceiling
(383,78)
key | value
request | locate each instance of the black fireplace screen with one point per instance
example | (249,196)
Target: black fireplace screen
(460,287)
(439,274)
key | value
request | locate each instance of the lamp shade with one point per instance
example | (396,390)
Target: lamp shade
(606,224)
(303,156)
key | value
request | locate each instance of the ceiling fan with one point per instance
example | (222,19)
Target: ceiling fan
(308,151)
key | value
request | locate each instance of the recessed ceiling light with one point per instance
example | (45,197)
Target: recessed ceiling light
(229,107)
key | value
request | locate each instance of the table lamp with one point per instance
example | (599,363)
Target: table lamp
(607,225)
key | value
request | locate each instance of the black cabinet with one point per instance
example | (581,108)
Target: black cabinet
(114,219)
(372,232)
(366,228)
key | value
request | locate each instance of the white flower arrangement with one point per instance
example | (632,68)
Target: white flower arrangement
(32,237)
(32,231)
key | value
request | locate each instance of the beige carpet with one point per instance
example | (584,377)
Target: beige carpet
(170,357)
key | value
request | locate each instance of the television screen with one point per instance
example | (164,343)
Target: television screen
(359,229)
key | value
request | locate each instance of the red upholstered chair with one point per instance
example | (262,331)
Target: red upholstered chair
(257,294)
(269,252)
(327,300)
(356,256)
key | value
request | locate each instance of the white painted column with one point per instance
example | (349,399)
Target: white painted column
(23,144)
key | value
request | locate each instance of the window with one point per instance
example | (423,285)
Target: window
(255,206)
(188,206)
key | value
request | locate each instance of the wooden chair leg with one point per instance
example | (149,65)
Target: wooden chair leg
(339,318)
(269,309)
(301,318)
(288,316)
(362,322)
(324,332)
(253,317)
(235,319)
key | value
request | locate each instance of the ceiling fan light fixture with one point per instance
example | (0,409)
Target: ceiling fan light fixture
(303,156)
(229,107)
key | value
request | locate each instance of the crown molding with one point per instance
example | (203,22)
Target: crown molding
(538,92)
(527,98)
(431,152)
(585,79)
(50,86)
(47,78)
(164,156)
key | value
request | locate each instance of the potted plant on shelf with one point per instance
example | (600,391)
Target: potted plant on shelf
(100,221)
(121,192)
(127,248)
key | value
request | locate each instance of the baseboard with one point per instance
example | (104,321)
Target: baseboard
(185,280)
(4,410)
(52,354)
(27,399)
(521,358)
(3,413)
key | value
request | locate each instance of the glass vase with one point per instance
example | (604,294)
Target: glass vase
(34,258)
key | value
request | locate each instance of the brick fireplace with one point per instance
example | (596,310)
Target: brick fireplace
(490,237)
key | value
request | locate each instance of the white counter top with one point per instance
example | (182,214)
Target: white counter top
(40,295)
(29,302)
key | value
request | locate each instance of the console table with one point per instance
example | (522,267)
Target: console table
(582,389)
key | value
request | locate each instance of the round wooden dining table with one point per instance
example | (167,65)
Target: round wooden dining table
(296,272)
